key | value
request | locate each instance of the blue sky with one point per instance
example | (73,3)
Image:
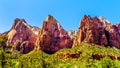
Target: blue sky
(67,12)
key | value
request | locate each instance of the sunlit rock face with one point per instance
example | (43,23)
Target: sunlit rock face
(104,21)
(98,31)
(52,37)
(35,30)
(22,36)
(72,33)
(113,35)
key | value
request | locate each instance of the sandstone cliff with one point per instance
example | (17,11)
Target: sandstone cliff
(52,37)
(22,36)
(113,35)
(98,31)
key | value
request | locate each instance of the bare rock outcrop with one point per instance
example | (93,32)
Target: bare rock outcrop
(99,31)
(91,30)
(22,36)
(52,37)
(113,35)
(72,33)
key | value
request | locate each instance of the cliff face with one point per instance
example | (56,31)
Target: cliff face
(98,31)
(22,36)
(52,37)
(113,35)
(72,33)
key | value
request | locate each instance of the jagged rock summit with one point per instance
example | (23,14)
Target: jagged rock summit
(52,37)
(22,36)
(99,31)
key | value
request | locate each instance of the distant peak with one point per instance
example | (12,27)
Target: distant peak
(104,20)
(18,19)
(88,16)
(19,22)
(49,17)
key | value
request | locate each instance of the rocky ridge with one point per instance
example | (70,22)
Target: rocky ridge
(22,36)
(52,37)
(99,31)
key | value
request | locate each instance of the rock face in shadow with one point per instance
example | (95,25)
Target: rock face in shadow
(22,36)
(52,37)
(98,31)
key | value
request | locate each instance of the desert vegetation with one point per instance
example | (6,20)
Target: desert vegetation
(86,55)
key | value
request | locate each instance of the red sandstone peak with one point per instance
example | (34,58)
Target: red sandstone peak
(90,30)
(22,36)
(52,37)
(20,23)
(98,31)
(113,35)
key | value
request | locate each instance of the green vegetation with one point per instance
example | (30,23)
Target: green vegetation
(7,55)
(78,57)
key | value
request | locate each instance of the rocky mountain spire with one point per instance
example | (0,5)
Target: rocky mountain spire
(90,30)
(22,36)
(99,31)
(52,37)
(113,35)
